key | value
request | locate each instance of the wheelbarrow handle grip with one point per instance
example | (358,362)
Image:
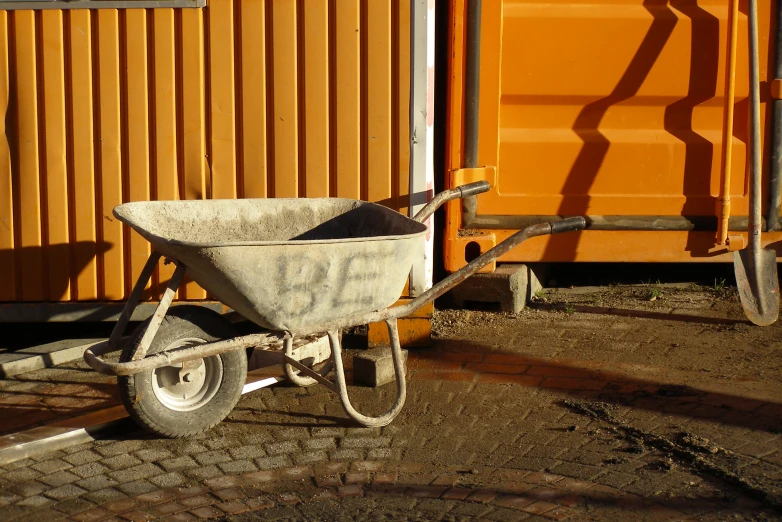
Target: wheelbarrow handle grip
(473,189)
(462,191)
(570,224)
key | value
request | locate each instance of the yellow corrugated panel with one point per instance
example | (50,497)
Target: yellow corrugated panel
(253,101)
(56,234)
(378,80)
(82,154)
(315,109)
(347,98)
(222,145)
(109,132)
(137,135)
(25,148)
(7,290)
(283,98)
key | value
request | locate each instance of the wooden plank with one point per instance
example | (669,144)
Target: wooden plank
(253,74)
(57,248)
(347,56)
(137,110)
(165,119)
(29,214)
(378,133)
(316,98)
(221,104)
(7,261)
(193,139)
(285,117)
(83,156)
(110,174)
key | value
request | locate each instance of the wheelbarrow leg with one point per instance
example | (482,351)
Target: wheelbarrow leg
(130,306)
(399,369)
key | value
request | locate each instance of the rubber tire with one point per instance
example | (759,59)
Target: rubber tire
(145,409)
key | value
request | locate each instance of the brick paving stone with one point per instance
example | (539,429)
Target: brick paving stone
(35,501)
(65,492)
(153,454)
(238,466)
(102,496)
(137,487)
(179,517)
(247,452)
(137,516)
(279,461)
(121,462)
(282,447)
(206,512)
(51,466)
(89,470)
(91,515)
(168,480)
(178,463)
(82,457)
(347,454)
(232,507)
(74,505)
(140,472)
(22,475)
(122,447)
(212,457)
(198,501)
(96,483)
(60,478)
(204,473)
(538,508)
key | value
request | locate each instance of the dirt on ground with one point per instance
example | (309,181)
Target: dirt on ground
(634,402)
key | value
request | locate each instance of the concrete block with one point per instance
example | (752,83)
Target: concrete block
(508,286)
(375,367)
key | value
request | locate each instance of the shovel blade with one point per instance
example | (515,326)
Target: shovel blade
(758,284)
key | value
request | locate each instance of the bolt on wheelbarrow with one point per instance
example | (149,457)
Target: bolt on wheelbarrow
(295,267)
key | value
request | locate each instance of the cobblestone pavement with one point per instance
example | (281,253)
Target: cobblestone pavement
(546,415)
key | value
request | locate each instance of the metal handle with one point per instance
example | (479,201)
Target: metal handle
(570,224)
(473,189)
(462,191)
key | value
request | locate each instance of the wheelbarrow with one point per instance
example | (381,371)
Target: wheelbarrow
(295,267)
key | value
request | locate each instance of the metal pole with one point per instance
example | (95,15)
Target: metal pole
(753,155)
(472,83)
(775,172)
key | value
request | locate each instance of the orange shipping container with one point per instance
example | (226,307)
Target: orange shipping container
(608,109)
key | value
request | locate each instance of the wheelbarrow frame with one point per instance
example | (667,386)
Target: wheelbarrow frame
(285,342)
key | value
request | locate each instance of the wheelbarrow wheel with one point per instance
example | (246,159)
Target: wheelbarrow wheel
(183,400)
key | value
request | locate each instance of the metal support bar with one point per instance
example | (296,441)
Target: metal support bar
(775,172)
(289,363)
(309,372)
(472,83)
(157,318)
(135,296)
(264,341)
(399,371)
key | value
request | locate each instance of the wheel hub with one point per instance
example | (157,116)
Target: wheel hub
(187,386)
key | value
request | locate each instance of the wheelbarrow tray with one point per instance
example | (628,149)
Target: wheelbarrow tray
(286,263)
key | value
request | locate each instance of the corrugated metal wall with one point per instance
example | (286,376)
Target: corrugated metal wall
(250,98)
